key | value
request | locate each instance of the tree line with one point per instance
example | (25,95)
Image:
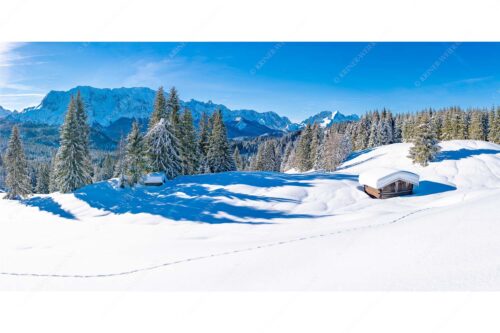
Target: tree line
(171,145)
(324,149)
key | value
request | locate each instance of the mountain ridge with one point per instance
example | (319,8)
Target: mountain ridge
(107,106)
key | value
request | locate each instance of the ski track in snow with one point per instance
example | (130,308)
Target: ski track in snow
(214,255)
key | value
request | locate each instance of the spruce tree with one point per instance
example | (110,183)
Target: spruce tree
(159,108)
(84,136)
(477,130)
(238,161)
(121,163)
(494,126)
(135,158)
(203,142)
(425,145)
(163,150)
(219,158)
(303,161)
(189,146)
(17,179)
(71,169)
(43,178)
(173,111)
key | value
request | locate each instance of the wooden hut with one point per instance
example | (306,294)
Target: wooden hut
(382,183)
(154,179)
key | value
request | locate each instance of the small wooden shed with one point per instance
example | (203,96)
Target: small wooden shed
(154,179)
(382,183)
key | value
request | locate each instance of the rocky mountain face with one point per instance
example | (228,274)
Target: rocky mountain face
(112,111)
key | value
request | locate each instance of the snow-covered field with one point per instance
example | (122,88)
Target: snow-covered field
(267,231)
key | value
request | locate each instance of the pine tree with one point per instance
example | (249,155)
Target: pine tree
(159,108)
(173,111)
(268,157)
(163,150)
(398,128)
(447,128)
(135,158)
(121,163)
(477,130)
(106,168)
(425,145)
(374,139)
(203,142)
(72,162)
(362,133)
(494,126)
(238,161)
(43,178)
(386,128)
(190,155)
(219,158)
(315,143)
(84,135)
(303,160)
(288,157)
(17,179)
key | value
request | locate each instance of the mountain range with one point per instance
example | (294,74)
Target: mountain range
(112,111)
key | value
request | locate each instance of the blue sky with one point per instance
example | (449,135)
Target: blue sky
(293,79)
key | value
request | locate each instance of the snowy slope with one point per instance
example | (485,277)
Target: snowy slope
(267,231)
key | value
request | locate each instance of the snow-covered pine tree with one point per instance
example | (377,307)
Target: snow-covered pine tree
(203,142)
(303,160)
(159,108)
(71,169)
(494,126)
(189,145)
(121,163)
(362,133)
(163,150)
(374,138)
(135,159)
(84,136)
(288,157)
(268,156)
(477,130)
(219,158)
(17,180)
(315,143)
(398,127)
(43,178)
(105,169)
(425,145)
(447,128)
(173,111)
(238,161)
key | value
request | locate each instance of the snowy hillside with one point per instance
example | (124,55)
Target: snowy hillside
(267,231)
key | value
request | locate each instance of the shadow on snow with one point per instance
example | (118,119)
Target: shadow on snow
(427,187)
(197,198)
(49,205)
(455,155)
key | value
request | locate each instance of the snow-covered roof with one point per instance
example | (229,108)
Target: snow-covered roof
(155,177)
(380,177)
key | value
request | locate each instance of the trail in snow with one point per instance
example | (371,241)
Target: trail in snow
(214,255)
